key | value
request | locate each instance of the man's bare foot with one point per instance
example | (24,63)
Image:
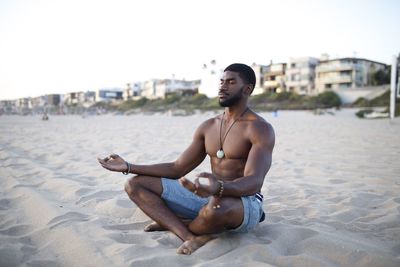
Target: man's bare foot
(152,227)
(189,246)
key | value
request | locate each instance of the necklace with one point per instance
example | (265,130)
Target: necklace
(220,152)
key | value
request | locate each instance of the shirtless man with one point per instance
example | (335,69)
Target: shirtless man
(239,144)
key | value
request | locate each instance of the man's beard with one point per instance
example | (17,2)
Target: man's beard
(232,100)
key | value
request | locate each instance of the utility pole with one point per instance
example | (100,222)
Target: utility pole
(393,87)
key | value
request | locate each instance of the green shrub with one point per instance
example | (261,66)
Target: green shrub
(328,99)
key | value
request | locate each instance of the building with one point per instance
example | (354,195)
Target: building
(300,75)
(24,103)
(275,78)
(74,98)
(132,91)
(346,73)
(39,102)
(109,94)
(149,90)
(53,100)
(157,88)
(8,106)
(182,87)
(81,98)
(260,71)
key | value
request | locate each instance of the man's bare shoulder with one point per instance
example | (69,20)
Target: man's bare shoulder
(208,124)
(258,121)
(259,127)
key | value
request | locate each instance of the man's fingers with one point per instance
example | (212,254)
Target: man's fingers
(101,161)
(187,184)
(114,156)
(205,174)
(197,182)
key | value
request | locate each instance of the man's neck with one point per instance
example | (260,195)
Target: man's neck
(234,112)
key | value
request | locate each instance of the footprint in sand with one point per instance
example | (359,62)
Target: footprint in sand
(100,195)
(68,218)
(337,181)
(17,230)
(43,263)
(5,204)
(126,227)
(127,238)
(29,185)
(82,191)
(167,239)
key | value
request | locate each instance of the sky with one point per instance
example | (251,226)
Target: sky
(54,46)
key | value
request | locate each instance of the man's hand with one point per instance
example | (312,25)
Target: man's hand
(201,189)
(113,163)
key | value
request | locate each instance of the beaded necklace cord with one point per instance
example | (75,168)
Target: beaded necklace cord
(220,152)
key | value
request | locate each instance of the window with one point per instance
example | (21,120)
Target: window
(295,77)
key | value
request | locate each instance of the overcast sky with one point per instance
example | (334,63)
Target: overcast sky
(54,46)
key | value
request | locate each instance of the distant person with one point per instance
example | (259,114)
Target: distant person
(239,143)
(45,117)
(275,112)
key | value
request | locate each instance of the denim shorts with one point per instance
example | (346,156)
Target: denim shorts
(187,205)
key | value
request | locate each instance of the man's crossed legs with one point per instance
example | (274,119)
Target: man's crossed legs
(193,219)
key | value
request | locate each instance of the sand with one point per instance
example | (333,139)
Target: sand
(332,196)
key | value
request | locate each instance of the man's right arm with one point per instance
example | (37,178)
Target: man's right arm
(187,161)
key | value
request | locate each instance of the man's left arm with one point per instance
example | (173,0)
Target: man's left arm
(258,163)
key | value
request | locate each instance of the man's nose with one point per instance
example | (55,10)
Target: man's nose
(223,87)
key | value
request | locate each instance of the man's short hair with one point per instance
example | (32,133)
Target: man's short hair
(245,72)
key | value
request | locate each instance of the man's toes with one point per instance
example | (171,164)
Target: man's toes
(184,250)
(153,227)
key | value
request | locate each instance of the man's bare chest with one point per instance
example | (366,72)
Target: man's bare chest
(235,143)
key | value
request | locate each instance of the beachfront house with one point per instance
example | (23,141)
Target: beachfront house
(81,98)
(149,90)
(181,87)
(160,88)
(275,78)
(132,91)
(350,78)
(300,75)
(8,106)
(260,71)
(109,94)
(53,100)
(39,103)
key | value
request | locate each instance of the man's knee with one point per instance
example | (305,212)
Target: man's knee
(229,212)
(136,184)
(132,185)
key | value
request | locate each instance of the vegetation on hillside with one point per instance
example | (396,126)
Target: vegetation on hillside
(262,102)
(380,101)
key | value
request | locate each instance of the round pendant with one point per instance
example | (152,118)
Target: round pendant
(220,154)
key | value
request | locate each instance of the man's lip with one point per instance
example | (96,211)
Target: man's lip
(222,95)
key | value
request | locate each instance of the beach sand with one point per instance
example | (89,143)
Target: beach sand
(332,195)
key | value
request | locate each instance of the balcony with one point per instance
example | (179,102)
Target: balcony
(332,80)
(336,67)
(271,84)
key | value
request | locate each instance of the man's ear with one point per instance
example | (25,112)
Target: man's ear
(248,89)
